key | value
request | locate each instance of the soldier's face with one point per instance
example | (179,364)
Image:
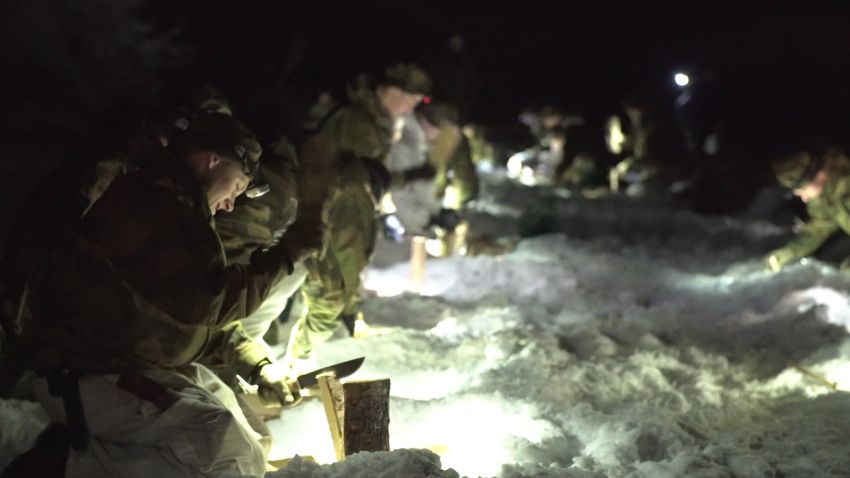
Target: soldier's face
(396,101)
(813,189)
(224,182)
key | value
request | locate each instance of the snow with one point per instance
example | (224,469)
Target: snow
(21,422)
(632,340)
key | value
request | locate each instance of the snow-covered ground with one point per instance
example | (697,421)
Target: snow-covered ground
(632,340)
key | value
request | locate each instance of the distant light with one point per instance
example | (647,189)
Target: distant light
(681,79)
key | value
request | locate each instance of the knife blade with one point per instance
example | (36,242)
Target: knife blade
(342,369)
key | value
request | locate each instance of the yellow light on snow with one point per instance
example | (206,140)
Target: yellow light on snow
(386,285)
(475,435)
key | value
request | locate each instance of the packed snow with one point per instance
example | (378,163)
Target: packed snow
(628,338)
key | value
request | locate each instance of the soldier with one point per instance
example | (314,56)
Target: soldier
(481,149)
(360,136)
(367,126)
(62,197)
(122,307)
(540,163)
(294,190)
(456,181)
(822,182)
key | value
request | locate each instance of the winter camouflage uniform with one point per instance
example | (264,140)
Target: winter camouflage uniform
(829,213)
(332,286)
(456,181)
(139,292)
(59,200)
(51,211)
(460,176)
(362,129)
(359,136)
(257,223)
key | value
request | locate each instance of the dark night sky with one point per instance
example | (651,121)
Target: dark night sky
(577,54)
(79,74)
(779,66)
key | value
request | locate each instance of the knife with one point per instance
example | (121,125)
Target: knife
(341,369)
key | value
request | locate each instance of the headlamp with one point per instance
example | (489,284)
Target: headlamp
(257,191)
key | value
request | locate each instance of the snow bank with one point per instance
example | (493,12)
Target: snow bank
(632,341)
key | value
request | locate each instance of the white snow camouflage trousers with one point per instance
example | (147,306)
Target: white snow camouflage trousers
(203,433)
(259,322)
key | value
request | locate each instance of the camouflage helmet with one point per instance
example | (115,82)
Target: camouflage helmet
(277,173)
(210,99)
(409,77)
(221,134)
(180,106)
(797,169)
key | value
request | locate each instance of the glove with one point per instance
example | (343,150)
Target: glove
(393,229)
(447,219)
(274,384)
(778,258)
(304,237)
(349,320)
(426,171)
(380,178)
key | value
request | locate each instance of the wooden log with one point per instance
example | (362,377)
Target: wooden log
(417,263)
(367,416)
(332,397)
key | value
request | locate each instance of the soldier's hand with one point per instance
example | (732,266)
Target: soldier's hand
(426,171)
(305,237)
(448,219)
(392,227)
(274,384)
(778,258)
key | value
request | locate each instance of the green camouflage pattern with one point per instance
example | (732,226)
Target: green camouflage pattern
(361,129)
(332,286)
(221,134)
(409,77)
(828,214)
(480,149)
(144,283)
(50,212)
(791,171)
(458,172)
(209,98)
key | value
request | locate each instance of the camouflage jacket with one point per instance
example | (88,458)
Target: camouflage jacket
(459,172)
(50,211)
(144,282)
(362,128)
(351,235)
(828,214)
